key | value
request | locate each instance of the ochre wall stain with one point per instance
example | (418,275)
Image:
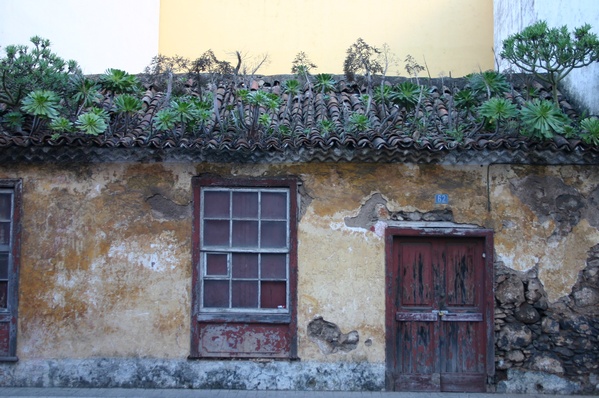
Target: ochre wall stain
(104,275)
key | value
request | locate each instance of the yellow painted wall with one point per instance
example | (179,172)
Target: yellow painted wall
(453,36)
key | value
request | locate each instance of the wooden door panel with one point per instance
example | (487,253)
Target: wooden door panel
(461,276)
(419,352)
(460,347)
(440,326)
(417,288)
(463,382)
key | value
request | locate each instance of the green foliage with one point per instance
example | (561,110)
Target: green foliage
(489,83)
(14,120)
(61,125)
(165,120)
(361,58)
(406,95)
(497,109)
(25,69)
(91,123)
(41,103)
(555,52)
(324,83)
(358,122)
(118,81)
(264,120)
(465,99)
(291,86)
(542,119)
(86,91)
(382,94)
(127,103)
(590,130)
(326,127)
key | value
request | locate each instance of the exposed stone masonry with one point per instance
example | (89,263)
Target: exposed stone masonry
(557,343)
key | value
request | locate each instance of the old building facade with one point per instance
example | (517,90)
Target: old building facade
(333,260)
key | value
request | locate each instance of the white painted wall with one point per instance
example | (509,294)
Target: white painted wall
(98,35)
(511,16)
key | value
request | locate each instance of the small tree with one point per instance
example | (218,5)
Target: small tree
(540,50)
(25,69)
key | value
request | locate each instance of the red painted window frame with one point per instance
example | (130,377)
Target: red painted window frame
(10,316)
(250,322)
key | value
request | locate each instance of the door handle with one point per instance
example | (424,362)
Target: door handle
(440,313)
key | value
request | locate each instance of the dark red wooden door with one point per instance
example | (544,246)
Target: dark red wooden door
(440,330)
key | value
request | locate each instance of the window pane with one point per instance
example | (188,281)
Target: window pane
(274,205)
(273,295)
(245,265)
(3,294)
(274,234)
(216,264)
(245,294)
(5,204)
(216,232)
(245,204)
(4,233)
(245,233)
(274,266)
(216,294)
(216,204)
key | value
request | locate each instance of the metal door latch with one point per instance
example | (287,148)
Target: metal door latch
(440,312)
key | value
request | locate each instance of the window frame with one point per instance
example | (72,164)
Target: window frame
(10,313)
(251,319)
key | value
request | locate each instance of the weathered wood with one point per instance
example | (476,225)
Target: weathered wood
(439,325)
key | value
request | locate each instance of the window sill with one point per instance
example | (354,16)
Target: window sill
(244,318)
(9,359)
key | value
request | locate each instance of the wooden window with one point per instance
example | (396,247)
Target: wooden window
(10,210)
(244,267)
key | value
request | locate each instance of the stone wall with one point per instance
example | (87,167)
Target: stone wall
(544,347)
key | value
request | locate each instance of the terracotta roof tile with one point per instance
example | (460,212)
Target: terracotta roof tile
(390,136)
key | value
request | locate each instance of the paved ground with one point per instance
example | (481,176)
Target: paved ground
(176,393)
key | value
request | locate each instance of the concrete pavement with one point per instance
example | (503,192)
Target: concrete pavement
(27,392)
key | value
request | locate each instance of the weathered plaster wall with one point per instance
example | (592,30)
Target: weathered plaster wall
(106,260)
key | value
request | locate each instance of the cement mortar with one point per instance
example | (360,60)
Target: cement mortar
(180,373)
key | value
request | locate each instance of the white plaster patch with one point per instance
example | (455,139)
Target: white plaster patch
(379,228)
(159,257)
(341,226)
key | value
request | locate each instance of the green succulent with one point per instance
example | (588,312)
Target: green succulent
(61,125)
(590,128)
(291,86)
(542,119)
(324,82)
(41,103)
(119,82)
(358,122)
(497,110)
(86,91)
(127,103)
(14,120)
(406,94)
(165,120)
(491,83)
(91,123)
